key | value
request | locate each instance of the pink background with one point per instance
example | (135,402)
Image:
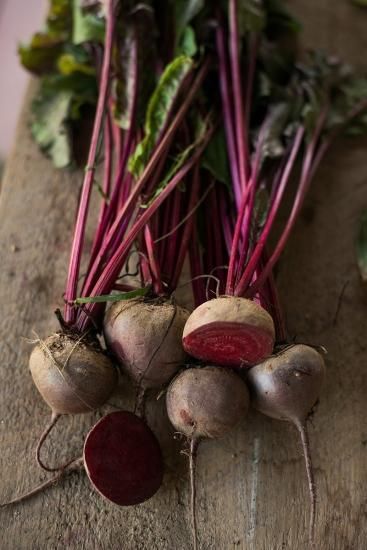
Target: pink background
(18,20)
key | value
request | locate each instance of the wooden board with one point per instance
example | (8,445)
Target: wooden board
(252,492)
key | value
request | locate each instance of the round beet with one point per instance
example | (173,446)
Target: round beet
(123,459)
(206,402)
(72,374)
(287,386)
(229,331)
(147,338)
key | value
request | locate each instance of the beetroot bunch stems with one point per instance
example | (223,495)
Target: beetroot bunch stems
(120,222)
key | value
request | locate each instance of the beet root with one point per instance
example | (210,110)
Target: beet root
(229,331)
(286,387)
(123,459)
(72,373)
(206,402)
(147,339)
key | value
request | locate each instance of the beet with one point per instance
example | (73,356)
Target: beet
(72,374)
(229,331)
(146,336)
(122,459)
(205,403)
(286,387)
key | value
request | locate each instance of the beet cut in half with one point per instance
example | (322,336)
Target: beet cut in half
(229,331)
(123,459)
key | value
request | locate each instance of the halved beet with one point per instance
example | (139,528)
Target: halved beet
(229,331)
(123,459)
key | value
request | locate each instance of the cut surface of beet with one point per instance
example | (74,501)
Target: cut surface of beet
(229,344)
(123,459)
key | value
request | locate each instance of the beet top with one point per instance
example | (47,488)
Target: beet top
(123,459)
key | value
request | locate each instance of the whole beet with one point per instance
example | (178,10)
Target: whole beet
(202,403)
(206,402)
(72,374)
(146,337)
(286,386)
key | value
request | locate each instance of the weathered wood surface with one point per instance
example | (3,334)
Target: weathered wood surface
(252,492)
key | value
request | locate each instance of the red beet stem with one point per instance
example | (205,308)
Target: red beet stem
(126,211)
(235,241)
(228,114)
(249,213)
(240,123)
(106,187)
(196,270)
(77,246)
(153,264)
(188,229)
(256,255)
(302,188)
(114,265)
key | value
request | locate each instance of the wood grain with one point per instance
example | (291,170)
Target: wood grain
(252,491)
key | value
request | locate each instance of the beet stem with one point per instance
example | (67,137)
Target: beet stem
(228,114)
(240,123)
(302,428)
(54,418)
(194,443)
(74,466)
(114,265)
(125,213)
(305,180)
(106,187)
(255,257)
(77,246)
(196,269)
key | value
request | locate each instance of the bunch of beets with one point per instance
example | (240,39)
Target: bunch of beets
(206,116)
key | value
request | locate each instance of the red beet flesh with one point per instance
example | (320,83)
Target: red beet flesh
(230,344)
(123,459)
(229,331)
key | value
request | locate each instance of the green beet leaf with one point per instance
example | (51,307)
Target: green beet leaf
(158,110)
(87,26)
(134,62)
(50,126)
(40,55)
